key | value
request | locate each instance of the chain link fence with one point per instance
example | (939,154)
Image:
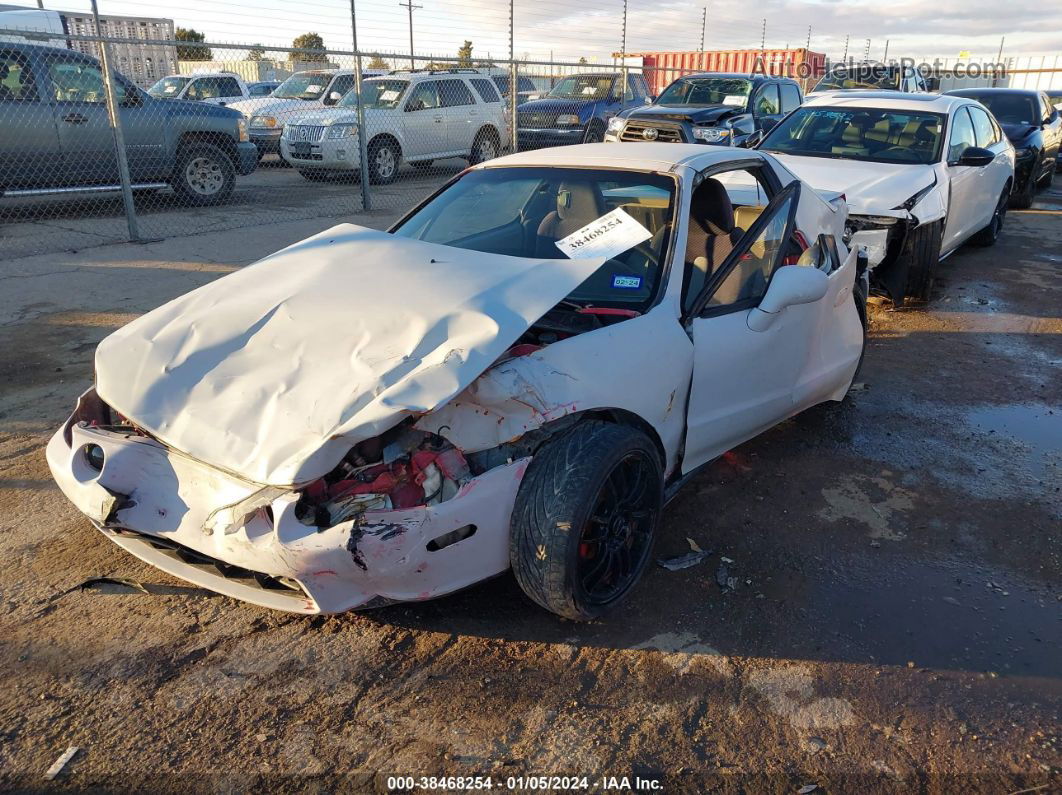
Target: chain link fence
(243,135)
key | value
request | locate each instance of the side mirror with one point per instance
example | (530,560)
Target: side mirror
(753,140)
(1051,119)
(414,105)
(975,156)
(767,124)
(790,285)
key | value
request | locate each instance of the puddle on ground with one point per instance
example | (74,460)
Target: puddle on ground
(1037,427)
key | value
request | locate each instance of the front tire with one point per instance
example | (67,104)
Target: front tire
(384,159)
(485,147)
(923,253)
(1024,199)
(595,133)
(204,175)
(585,518)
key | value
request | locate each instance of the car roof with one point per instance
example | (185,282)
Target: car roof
(205,74)
(636,156)
(886,100)
(968,92)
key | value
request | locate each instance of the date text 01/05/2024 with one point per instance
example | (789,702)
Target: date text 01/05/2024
(520,783)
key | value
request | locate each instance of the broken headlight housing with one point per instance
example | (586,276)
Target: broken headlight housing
(857,223)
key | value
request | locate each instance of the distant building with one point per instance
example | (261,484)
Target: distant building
(142,63)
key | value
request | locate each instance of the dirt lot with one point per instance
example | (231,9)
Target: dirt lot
(895,623)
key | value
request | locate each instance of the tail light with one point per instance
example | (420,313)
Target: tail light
(797,246)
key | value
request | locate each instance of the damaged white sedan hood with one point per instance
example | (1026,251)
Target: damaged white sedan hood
(869,188)
(273,372)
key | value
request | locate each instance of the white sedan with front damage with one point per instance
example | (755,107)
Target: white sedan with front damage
(517,374)
(922,174)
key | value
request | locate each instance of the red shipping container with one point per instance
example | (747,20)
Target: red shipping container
(662,68)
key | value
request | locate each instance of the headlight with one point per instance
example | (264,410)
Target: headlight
(343,131)
(567,120)
(711,134)
(263,121)
(615,124)
(241,130)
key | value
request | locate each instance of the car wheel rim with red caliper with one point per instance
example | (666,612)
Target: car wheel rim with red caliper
(617,536)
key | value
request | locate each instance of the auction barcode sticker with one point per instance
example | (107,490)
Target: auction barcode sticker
(611,234)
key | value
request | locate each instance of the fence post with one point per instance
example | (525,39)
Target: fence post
(363,142)
(513,74)
(116,129)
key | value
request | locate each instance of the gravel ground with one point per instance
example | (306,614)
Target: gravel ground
(892,619)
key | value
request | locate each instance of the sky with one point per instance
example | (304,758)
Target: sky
(570,29)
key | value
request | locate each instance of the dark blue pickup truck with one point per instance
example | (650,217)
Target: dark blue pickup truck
(55,136)
(578,109)
(710,108)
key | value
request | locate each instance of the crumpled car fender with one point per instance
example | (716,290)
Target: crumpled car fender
(641,366)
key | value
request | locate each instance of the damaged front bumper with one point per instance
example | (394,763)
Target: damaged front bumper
(884,239)
(161,505)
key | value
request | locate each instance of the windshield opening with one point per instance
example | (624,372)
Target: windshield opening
(169,86)
(707,91)
(524,212)
(582,87)
(879,136)
(304,85)
(376,93)
(1010,108)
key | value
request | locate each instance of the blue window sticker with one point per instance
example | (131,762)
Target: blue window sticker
(626,282)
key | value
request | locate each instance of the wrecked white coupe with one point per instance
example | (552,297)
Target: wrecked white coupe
(516,375)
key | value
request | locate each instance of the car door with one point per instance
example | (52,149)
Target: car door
(992,178)
(461,116)
(85,135)
(29,142)
(1052,126)
(228,90)
(423,123)
(766,107)
(743,380)
(963,183)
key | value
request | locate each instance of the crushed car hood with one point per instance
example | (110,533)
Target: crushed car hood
(695,114)
(273,372)
(869,188)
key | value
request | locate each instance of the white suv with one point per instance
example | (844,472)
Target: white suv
(415,116)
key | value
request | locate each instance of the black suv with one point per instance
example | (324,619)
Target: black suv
(55,136)
(710,108)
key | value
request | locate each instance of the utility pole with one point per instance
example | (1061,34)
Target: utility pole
(763,45)
(866,51)
(845,56)
(999,58)
(115,118)
(623,52)
(409,5)
(513,75)
(363,138)
(704,21)
(808,45)
(885,57)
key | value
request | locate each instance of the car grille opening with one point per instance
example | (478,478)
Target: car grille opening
(665,133)
(214,566)
(305,132)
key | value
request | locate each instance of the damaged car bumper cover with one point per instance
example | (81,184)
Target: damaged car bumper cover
(156,503)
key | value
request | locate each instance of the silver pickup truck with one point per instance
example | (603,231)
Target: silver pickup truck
(55,136)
